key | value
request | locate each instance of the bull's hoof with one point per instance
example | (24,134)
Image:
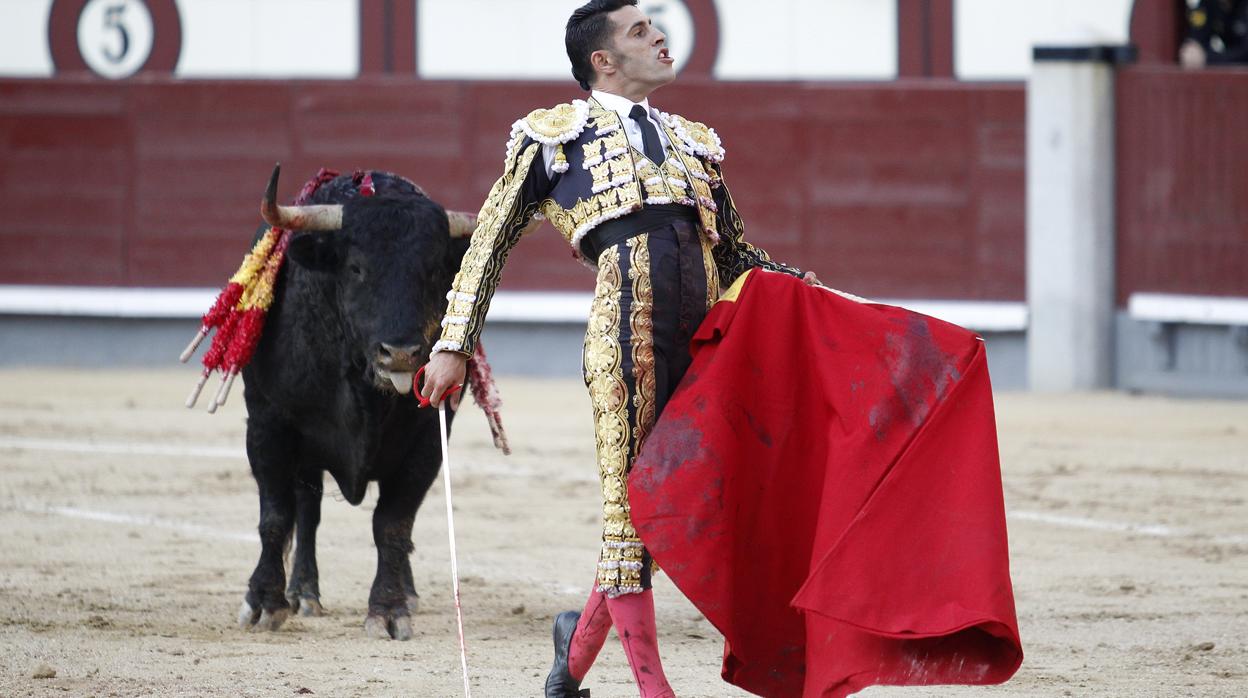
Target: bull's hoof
(247,616)
(413,603)
(389,626)
(306,605)
(261,620)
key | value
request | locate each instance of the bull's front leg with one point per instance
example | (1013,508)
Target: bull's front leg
(304,591)
(393,596)
(265,606)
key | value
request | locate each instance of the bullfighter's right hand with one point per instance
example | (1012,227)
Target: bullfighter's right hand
(445,370)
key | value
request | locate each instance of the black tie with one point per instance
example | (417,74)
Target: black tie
(649,134)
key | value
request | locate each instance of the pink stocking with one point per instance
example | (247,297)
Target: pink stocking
(591,634)
(633,616)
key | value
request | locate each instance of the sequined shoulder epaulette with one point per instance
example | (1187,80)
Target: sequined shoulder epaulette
(696,138)
(559,124)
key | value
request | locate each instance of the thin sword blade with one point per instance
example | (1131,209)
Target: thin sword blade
(450,533)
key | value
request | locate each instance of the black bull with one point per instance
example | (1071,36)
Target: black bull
(355,311)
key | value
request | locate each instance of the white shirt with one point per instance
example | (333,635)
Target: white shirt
(622,106)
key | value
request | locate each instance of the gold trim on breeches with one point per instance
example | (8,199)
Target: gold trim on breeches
(620,373)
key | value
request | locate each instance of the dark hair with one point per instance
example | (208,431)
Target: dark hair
(588,29)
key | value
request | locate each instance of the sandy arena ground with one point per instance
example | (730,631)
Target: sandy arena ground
(129,536)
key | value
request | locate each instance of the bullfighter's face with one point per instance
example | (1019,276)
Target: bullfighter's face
(638,53)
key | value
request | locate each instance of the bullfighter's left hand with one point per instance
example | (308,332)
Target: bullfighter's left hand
(445,370)
(810,279)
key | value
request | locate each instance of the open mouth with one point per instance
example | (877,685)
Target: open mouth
(665,57)
(400,381)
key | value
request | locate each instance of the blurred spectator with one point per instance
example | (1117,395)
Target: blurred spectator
(1217,33)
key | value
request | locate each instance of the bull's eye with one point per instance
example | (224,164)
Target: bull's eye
(355,269)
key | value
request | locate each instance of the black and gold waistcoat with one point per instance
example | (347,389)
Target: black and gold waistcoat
(598,176)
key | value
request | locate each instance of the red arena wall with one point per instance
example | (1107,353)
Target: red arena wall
(912,188)
(1182,212)
(899,188)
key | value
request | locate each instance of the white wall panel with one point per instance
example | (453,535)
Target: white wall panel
(493,39)
(807,39)
(519,38)
(779,39)
(505,39)
(993,38)
(269,38)
(24,48)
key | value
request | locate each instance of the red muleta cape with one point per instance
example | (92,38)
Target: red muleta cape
(825,487)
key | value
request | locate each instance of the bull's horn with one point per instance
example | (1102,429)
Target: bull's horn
(462,223)
(309,218)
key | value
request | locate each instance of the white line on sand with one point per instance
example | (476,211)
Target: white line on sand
(190,529)
(132,448)
(123,448)
(1156,530)
(196,530)
(201,451)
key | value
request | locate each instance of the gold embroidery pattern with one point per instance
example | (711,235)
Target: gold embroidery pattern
(622,180)
(616,140)
(499,225)
(593,150)
(558,217)
(619,564)
(676,179)
(706,206)
(696,138)
(613,202)
(651,180)
(602,176)
(664,184)
(559,124)
(712,273)
(641,323)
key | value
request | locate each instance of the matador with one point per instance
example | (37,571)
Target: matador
(640,196)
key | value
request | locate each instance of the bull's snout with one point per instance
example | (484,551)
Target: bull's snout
(394,365)
(396,358)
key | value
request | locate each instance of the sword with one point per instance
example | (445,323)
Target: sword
(450,519)
(450,534)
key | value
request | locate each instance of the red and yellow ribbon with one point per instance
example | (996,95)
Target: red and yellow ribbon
(239,312)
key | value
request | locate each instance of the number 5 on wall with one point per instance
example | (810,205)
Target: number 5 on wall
(114,19)
(114,38)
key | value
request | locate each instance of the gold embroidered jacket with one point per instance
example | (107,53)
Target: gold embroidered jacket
(598,176)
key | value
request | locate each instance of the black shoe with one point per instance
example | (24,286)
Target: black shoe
(559,682)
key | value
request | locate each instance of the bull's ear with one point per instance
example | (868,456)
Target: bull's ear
(315,251)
